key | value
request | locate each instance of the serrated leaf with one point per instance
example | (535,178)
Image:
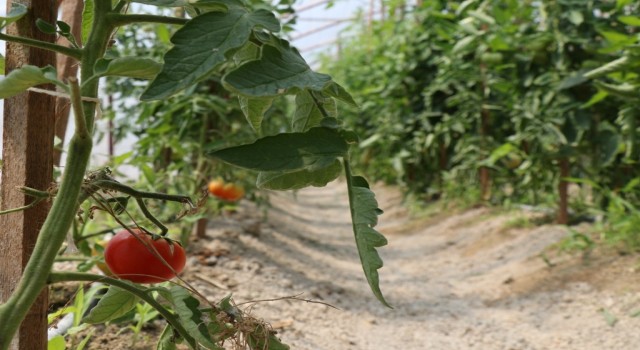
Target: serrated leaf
(282,181)
(308,114)
(254,110)
(17,11)
(19,80)
(190,316)
(364,216)
(87,19)
(200,46)
(278,70)
(132,67)
(262,338)
(115,303)
(314,149)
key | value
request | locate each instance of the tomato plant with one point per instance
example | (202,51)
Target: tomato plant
(142,258)
(230,44)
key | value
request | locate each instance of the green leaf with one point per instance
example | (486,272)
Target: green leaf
(87,19)
(314,149)
(115,303)
(308,114)
(132,67)
(263,338)
(608,143)
(572,81)
(2,65)
(336,91)
(45,26)
(200,46)
(630,20)
(167,340)
(282,181)
(254,110)
(17,11)
(164,3)
(364,215)
(190,316)
(278,70)
(19,80)
(56,343)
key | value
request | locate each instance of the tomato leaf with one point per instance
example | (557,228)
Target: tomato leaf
(19,80)
(115,303)
(190,316)
(201,45)
(308,114)
(17,11)
(167,340)
(263,338)
(87,19)
(286,70)
(311,150)
(132,67)
(56,343)
(336,91)
(282,181)
(254,110)
(364,216)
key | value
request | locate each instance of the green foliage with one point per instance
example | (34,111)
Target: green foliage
(25,77)
(447,89)
(114,304)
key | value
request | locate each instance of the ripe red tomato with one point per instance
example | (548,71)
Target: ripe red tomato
(132,259)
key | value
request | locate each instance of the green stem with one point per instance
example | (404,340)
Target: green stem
(52,236)
(116,186)
(24,207)
(68,51)
(119,19)
(56,277)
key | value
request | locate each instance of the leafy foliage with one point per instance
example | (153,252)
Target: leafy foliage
(448,89)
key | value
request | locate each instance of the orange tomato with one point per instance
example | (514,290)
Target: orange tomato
(225,191)
(215,187)
(232,193)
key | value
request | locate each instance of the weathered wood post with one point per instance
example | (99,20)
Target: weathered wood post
(28,161)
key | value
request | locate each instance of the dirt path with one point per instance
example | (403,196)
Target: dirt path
(457,281)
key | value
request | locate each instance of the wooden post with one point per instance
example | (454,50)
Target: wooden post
(28,161)
(563,192)
(71,13)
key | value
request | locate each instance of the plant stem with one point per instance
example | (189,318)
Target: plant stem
(56,277)
(68,51)
(119,19)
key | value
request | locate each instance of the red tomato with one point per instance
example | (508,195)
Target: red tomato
(130,259)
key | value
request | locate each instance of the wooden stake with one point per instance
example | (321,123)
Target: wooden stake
(28,161)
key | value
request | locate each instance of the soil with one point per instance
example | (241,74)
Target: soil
(457,279)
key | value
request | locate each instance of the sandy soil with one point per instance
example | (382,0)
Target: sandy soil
(456,280)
